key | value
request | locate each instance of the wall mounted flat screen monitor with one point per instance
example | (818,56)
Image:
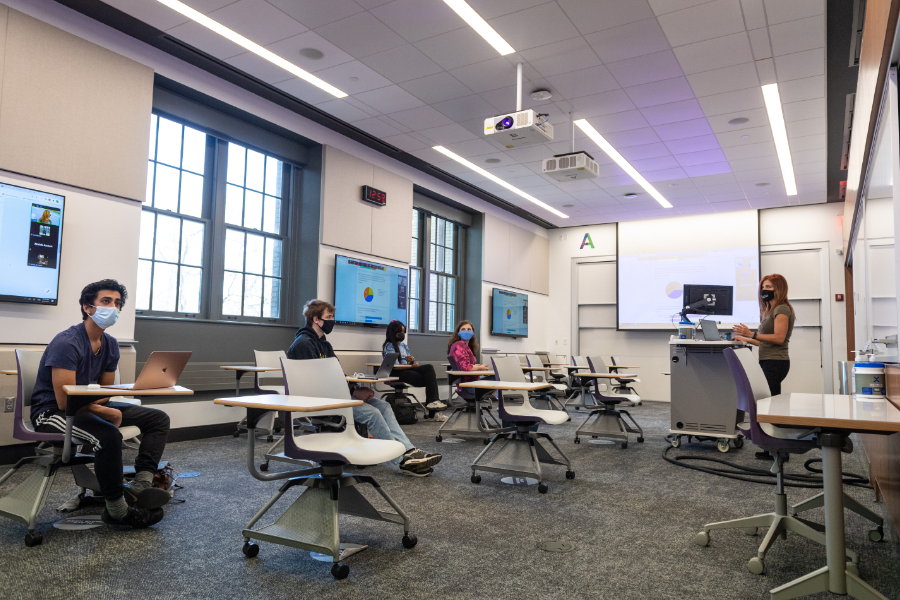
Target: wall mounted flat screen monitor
(31,225)
(509,313)
(708,299)
(368,293)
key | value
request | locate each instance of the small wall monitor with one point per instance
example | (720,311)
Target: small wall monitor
(368,293)
(31,225)
(509,313)
(708,300)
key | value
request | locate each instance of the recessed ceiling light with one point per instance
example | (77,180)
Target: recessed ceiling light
(492,161)
(540,95)
(311,53)
(673,185)
(253,47)
(468,14)
(568,206)
(744,137)
(761,184)
(620,160)
(779,133)
(498,181)
(354,79)
(631,195)
(738,121)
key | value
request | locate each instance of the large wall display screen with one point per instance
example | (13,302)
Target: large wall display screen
(368,293)
(509,313)
(31,225)
(657,257)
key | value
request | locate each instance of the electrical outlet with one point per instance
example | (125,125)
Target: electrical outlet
(9,405)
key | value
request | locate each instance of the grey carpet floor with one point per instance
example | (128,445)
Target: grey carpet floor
(631,515)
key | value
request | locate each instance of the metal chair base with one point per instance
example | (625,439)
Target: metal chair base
(470,420)
(608,423)
(519,453)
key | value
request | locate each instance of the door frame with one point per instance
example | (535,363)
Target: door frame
(576,328)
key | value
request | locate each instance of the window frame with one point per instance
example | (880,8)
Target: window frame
(421,300)
(458,276)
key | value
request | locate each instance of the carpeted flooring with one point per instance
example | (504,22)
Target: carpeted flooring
(631,515)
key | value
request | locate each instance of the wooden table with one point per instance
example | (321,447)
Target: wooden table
(607,375)
(287,403)
(470,373)
(239,371)
(400,366)
(524,368)
(362,380)
(836,417)
(518,386)
(13,372)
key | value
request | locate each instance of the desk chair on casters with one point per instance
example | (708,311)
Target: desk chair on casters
(27,500)
(624,386)
(780,442)
(580,387)
(311,522)
(608,421)
(550,397)
(473,417)
(520,454)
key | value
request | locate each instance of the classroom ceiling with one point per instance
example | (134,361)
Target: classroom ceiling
(673,85)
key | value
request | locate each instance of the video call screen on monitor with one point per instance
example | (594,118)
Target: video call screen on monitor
(509,313)
(30,244)
(368,293)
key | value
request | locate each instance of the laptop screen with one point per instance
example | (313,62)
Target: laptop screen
(710,330)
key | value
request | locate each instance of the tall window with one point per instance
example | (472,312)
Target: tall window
(415,272)
(170,265)
(442,275)
(253,240)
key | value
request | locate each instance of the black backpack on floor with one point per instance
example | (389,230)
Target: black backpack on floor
(404,411)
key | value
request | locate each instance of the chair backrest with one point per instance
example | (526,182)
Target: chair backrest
(317,378)
(27,363)
(534,360)
(755,379)
(597,364)
(269,358)
(545,358)
(508,368)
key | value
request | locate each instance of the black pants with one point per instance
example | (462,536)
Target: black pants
(106,441)
(420,376)
(775,372)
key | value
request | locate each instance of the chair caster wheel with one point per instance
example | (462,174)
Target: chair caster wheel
(409,541)
(340,571)
(270,439)
(624,444)
(702,539)
(749,530)
(278,430)
(250,549)
(739,442)
(577,440)
(723,445)
(756,566)
(264,466)
(640,440)
(438,438)
(876,535)
(475,478)
(543,488)
(852,568)
(570,474)
(676,443)
(486,441)
(33,538)
(236,434)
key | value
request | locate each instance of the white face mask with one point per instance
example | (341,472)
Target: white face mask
(105,316)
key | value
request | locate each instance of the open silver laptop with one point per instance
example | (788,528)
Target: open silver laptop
(387,365)
(161,370)
(710,330)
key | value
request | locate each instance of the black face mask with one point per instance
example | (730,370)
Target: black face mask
(767,295)
(401,337)
(327,326)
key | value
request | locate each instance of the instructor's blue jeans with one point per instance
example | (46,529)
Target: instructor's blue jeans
(378,416)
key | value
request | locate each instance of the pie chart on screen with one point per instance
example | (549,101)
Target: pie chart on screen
(674,290)
(508,314)
(368,294)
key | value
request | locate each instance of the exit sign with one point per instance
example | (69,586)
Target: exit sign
(370,194)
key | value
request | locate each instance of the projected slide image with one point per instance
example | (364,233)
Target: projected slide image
(368,293)
(510,313)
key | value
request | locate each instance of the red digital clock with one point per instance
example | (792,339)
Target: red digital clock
(374,196)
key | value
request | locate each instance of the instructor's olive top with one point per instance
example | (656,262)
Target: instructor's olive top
(768,351)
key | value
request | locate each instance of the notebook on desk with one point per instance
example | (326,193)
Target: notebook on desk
(161,370)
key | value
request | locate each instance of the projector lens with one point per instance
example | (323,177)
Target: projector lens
(505,123)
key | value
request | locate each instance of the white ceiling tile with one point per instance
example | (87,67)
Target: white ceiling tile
(377,127)
(465,108)
(754,13)
(718,53)
(809,142)
(257,20)
(530,153)
(342,77)
(488,9)
(806,109)
(816,126)
(471,148)
(405,142)
(769,175)
(595,15)
(803,199)
(655,164)
(316,14)
(259,67)
(632,119)
(205,39)
(751,164)
(402,64)
(703,22)
(759,43)
(361,35)
(718,168)
(750,150)
(423,117)
(616,181)
(802,89)
(601,104)
(343,110)
(289,49)
(808,156)
(719,81)
(534,27)
(661,7)
(645,69)
(800,65)
(389,99)
(768,202)
(561,57)
(684,202)
(807,168)
(416,20)
(756,117)
(664,175)
(814,179)
(457,48)
(683,129)
(797,36)
(660,92)
(672,112)
(703,157)
(304,91)
(363,107)
(693,144)
(730,102)
(395,124)
(370,4)
(572,187)
(152,13)
(532,181)
(436,88)
(732,206)
(488,75)
(448,134)
(504,99)
(741,137)
(632,137)
(628,41)
(584,82)
(778,11)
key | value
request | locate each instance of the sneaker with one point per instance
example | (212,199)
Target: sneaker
(416,458)
(412,471)
(144,495)
(136,518)
(436,405)
(440,417)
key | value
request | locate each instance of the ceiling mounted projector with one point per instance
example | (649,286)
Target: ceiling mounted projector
(571,167)
(519,129)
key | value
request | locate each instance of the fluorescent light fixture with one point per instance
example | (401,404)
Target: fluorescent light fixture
(253,47)
(620,160)
(498,181)
(475,21)
(776,120)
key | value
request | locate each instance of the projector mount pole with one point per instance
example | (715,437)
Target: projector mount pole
(572,128)
(518,87)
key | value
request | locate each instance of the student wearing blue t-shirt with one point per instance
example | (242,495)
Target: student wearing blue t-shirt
(84,354)
(417,375)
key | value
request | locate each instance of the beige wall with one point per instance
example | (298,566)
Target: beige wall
(515,257)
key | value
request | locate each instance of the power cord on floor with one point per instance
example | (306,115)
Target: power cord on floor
(751,475)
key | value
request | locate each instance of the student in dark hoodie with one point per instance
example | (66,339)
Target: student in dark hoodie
(376,414)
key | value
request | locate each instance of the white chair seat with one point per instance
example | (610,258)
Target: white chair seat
(633,398)
(560,386)
(278,389)
(355,450)
(783,433)
(128,432)
(550,417)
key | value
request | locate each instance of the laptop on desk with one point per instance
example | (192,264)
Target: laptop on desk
(161,370)
(387,365)
(710,330)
